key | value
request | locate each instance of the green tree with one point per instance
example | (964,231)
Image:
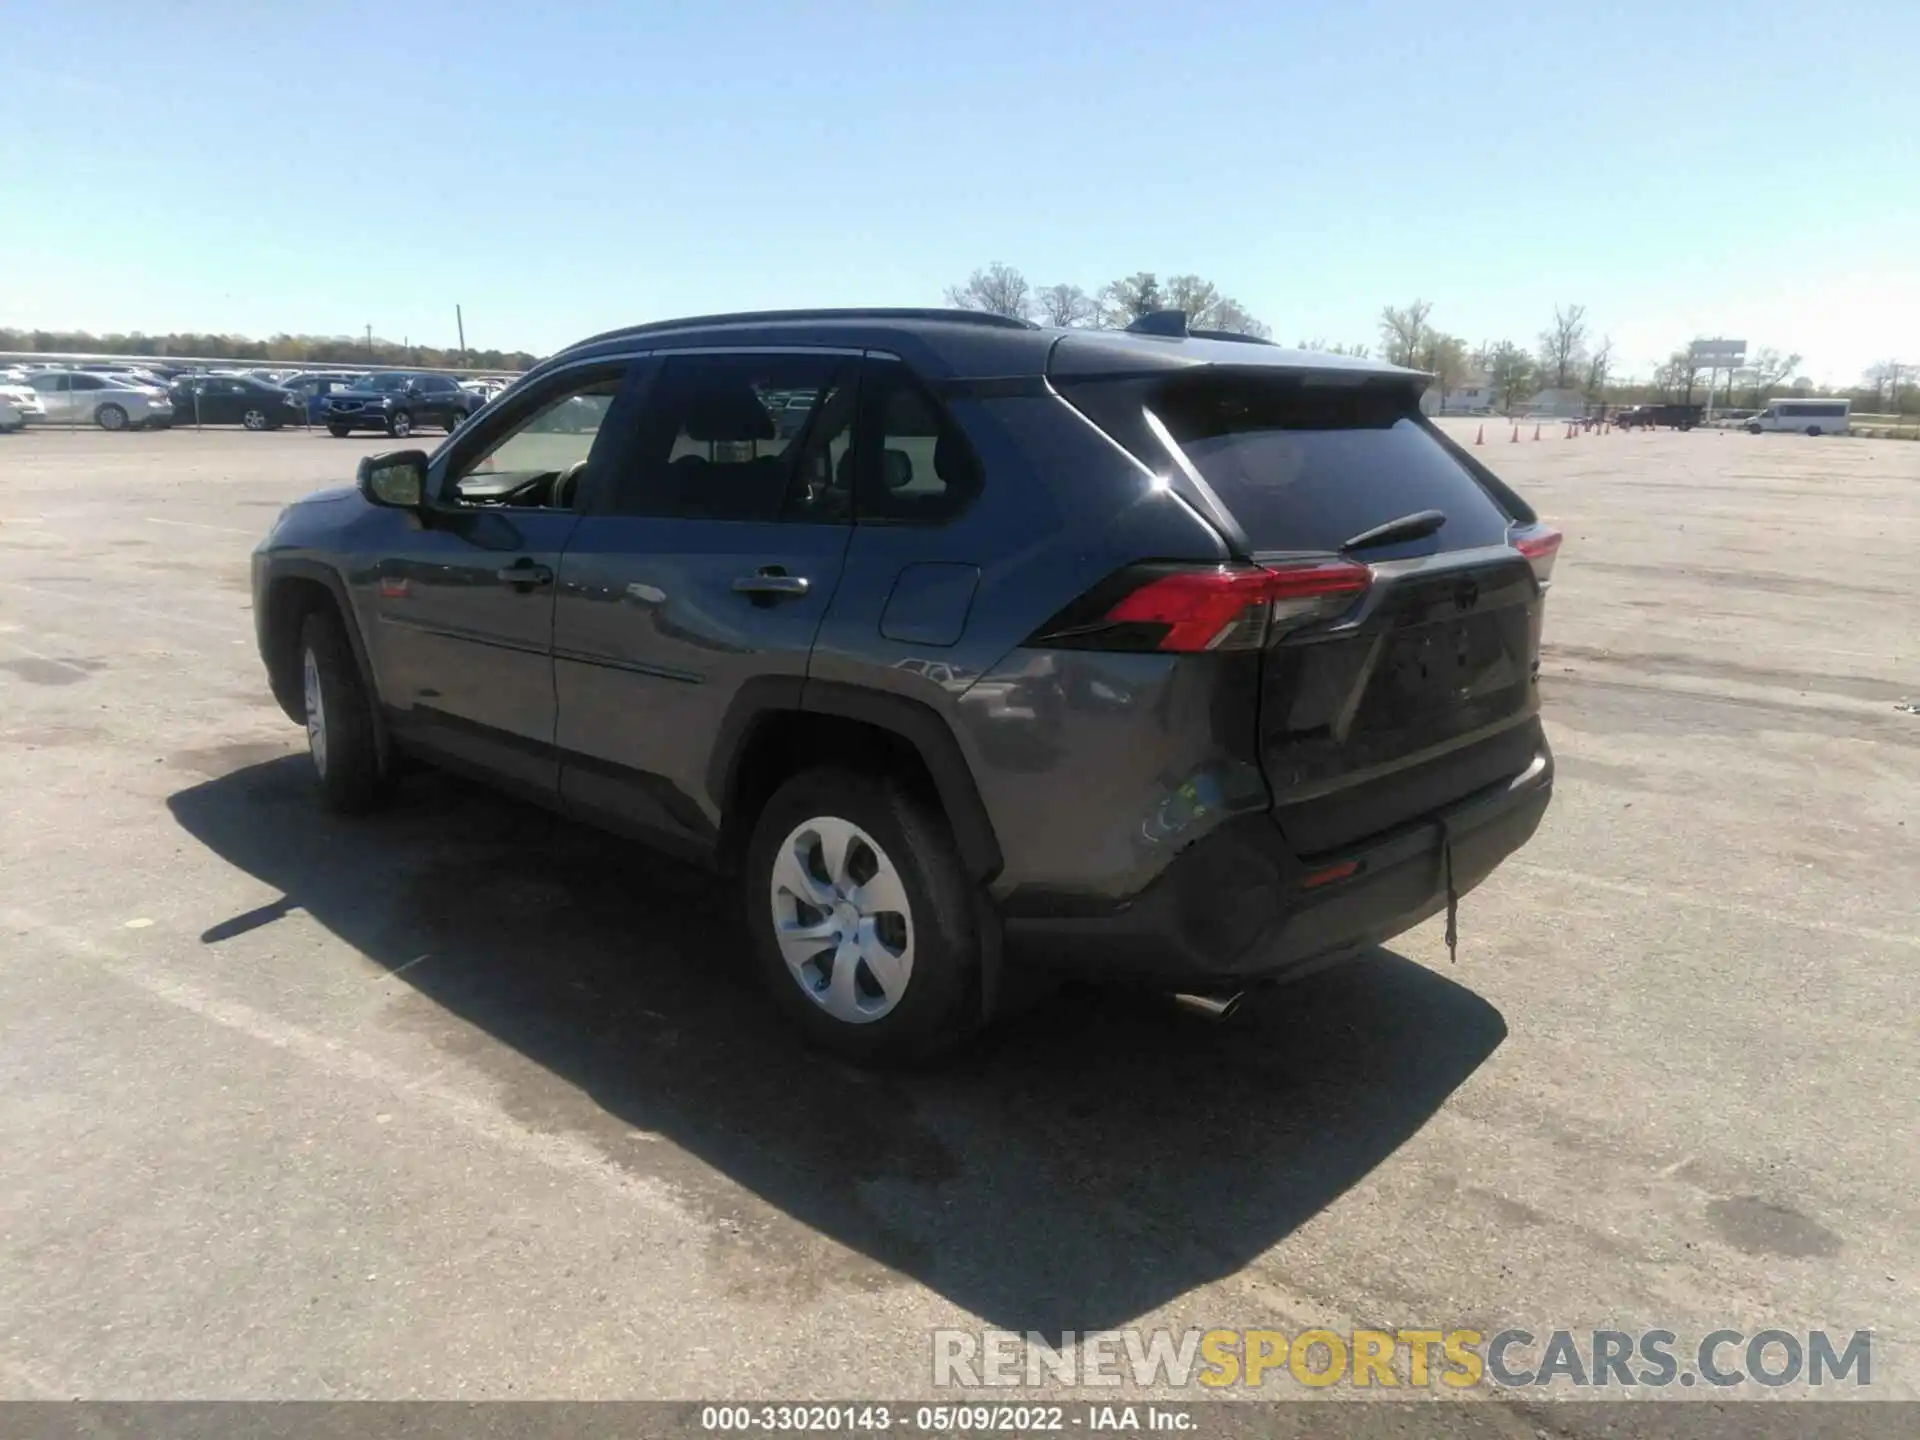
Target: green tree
(1402,331)
(1445,358)
(1510,371)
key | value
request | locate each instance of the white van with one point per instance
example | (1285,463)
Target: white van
(1815,417)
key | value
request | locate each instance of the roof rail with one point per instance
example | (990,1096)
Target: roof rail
(1173,324)
(747,317)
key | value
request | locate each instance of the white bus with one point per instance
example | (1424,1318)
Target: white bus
(1815,417)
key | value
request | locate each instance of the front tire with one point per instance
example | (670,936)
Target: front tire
(400,425)
(339,715)
(338,432)
(110,417)
(862,918)
(1813,429)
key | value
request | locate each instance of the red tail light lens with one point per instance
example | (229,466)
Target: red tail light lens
(1222,607)
(1540,544)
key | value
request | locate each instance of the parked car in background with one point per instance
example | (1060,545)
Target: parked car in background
(485,386)
(22,402)
(1649,417)
(965,659)
(1815,417)
(18,404)
(792,417)
(235,400)
(398,402)
(313,389)
(79,397)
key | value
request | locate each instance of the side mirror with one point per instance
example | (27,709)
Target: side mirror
(396,479)
(898,469)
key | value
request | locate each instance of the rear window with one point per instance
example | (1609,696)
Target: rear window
(1308,467)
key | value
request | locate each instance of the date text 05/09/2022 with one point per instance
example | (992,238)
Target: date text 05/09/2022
(968,1419)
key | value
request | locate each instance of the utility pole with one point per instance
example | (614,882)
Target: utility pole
(460,323)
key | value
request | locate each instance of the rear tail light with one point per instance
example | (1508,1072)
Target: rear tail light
(1540,544)
(1187,610)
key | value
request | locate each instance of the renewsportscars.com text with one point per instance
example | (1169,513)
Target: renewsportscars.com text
(1456,1359)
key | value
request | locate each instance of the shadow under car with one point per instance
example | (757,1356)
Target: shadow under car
(1085,1162)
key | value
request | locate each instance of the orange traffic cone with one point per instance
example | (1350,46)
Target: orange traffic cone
(1481,437)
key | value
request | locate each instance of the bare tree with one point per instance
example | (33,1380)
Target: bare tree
(999,290)
(1125,300)
(1234,318)
(1764,371)
(1066,305)
(1401,332)
(1678,375)
(1207,309)
(1510,371)
(1198,298)
(1883,378)
(1599,367)
(1564,346)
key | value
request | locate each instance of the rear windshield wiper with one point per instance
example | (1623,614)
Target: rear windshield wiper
(1407,527)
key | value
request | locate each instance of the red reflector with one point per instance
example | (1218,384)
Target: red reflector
(1228,607)
(1537,541)
(1540,544)
(1330,874)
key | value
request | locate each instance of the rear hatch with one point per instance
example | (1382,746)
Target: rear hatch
(1400,654)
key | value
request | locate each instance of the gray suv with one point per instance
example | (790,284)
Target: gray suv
(1152,655)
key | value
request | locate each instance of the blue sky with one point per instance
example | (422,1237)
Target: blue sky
(558,168)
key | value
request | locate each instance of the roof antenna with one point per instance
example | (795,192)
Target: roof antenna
(1170,323)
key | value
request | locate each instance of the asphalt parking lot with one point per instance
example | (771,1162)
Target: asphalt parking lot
(465,1101)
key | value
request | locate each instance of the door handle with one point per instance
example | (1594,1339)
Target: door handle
(524,573)
(772,583)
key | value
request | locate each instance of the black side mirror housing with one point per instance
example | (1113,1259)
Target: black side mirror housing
(396,479)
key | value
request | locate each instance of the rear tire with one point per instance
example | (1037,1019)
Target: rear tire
(110,417)
(897,891)
(340,731)
(255,420)
(1813,429)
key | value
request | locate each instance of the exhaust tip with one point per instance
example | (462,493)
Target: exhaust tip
(1210,1007)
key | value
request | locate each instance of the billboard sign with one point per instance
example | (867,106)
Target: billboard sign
(1719,354)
